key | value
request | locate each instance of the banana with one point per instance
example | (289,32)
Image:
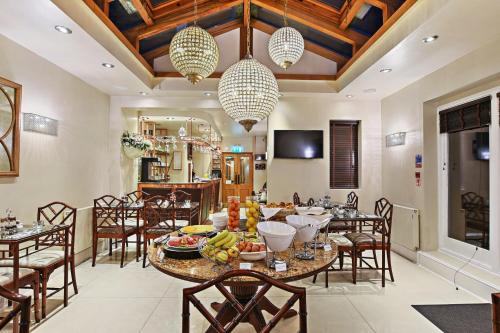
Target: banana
(218,237)
(233,252)
(231,242)
(222,256)
(224,240)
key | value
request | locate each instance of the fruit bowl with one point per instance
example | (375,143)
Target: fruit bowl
(220,249)
(307,227)
(253,256)
(278,236)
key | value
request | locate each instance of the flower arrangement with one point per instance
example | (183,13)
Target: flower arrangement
(134,145)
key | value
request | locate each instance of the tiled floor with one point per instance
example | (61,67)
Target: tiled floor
(133,299)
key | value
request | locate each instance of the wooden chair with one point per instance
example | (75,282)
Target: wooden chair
(108,221)
(22,307)
(28,278)
(310,202)
(137,196)
(133,216)
(244,310)
(495,311)
(476,214)
(157,221)
(296,199)
(342,226)
(46,261)
(182,218)
(372,240)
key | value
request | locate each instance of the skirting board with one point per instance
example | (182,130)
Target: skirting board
(467,279)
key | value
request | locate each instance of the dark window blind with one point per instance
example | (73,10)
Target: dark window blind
(467,116)
(344,149)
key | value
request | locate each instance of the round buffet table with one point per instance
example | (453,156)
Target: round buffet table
(244,288)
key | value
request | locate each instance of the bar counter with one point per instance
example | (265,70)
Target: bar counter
(206,193)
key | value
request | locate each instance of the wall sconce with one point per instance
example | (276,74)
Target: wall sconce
(39,124)
(395,139)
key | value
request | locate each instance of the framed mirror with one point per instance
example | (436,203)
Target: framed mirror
(10,102)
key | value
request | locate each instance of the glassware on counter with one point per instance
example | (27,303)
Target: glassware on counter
(252,213)
(233,212)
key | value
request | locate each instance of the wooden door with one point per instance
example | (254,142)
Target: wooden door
(237,175)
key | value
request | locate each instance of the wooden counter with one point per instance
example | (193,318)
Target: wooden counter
(206,193)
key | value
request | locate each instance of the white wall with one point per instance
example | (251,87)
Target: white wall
(414,109)
(310,178)
(72,167)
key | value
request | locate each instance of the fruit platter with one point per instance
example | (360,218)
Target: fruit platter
(182,247)
(202,229)
(221,248)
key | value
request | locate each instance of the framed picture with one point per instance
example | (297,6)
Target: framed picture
(177,160)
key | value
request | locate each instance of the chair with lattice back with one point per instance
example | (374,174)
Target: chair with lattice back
(108,221)
(352,200)
(182,217)
(372,239)
(296,199)
(46,260)
(236,309)
(158,220)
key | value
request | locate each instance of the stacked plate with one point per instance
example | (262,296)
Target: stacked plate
(219,221)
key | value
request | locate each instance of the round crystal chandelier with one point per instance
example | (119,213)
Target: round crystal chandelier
(194,52)
(286,44)
(248,92)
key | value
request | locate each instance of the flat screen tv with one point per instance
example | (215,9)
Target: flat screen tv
(298,144)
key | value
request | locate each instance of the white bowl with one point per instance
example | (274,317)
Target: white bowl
(278,235)
(310,210)
(219,220)
(307,226)
(253,256)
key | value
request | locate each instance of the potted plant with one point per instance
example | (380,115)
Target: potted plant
(135,145)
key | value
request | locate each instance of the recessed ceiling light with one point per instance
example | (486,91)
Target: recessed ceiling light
(108,65)
(386,70)
(63,29)
(430,39)
(143,93)
(207,93)
(370,91)
(349,96)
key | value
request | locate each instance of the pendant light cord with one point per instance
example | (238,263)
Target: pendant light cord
(285,13)
(195,12)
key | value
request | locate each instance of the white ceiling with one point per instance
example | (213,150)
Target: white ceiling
(462,28)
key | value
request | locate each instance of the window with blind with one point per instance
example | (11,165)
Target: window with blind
(344,160)
(472,115)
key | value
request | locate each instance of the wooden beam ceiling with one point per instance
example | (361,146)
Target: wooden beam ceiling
(214,31)
(308,16)
(143,10)
(349,12)
(246,32)
(183,17)
(279,76)
(310,46)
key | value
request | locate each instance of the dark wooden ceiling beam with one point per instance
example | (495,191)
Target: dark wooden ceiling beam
(310,46)
(111,26)
(174,6)
(349,12)
(320,5)
(328,26)
(279,76)
(186,16)
(144,11)
(214,31)
(246,33)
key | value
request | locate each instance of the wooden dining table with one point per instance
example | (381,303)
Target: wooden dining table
(202,270)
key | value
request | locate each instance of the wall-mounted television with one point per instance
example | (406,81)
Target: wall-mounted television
(298,144)
(481,146)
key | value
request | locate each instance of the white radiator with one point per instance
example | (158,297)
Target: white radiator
(406,227)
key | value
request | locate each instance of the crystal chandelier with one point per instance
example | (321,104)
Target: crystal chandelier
(286,44)
(248,90)
(194,52)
